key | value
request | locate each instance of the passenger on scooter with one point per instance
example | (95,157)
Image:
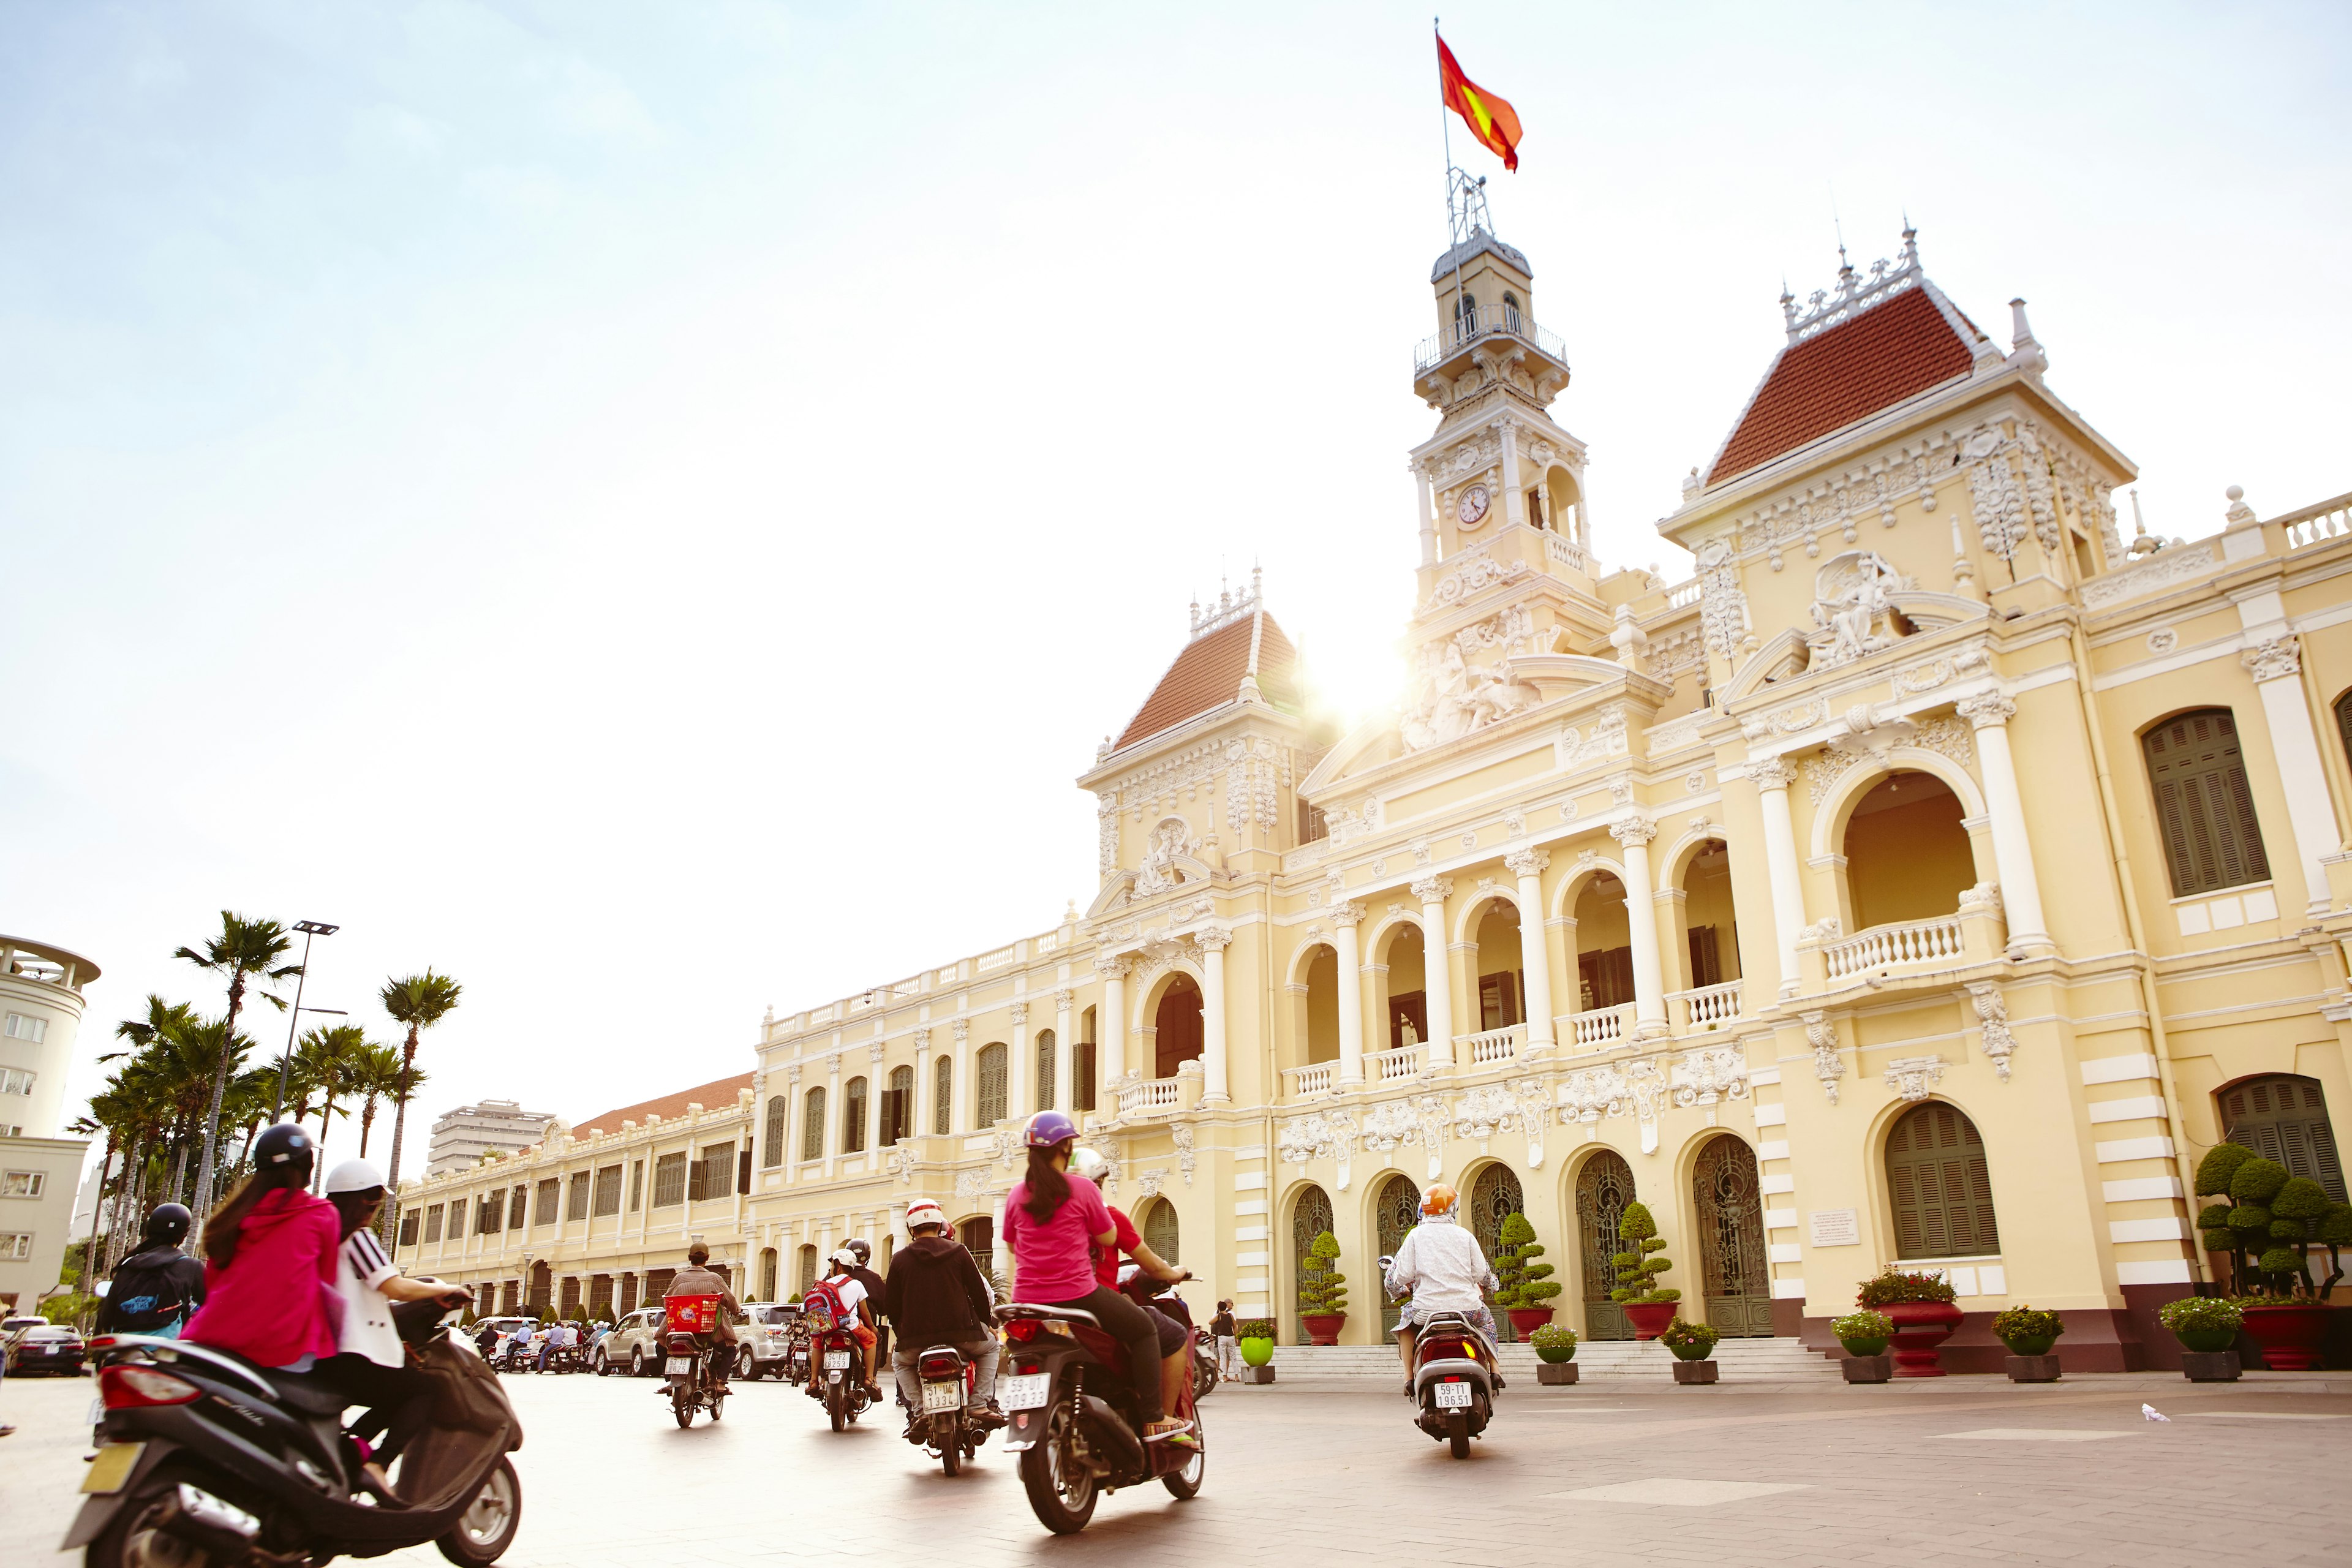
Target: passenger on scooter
(1445,1270)
(698,1280)
(859,1249)
(269,1257)
(936,1297)
(1052,1222)
(1174,1327)
(841,1296)
(154,1290)
(370,1366)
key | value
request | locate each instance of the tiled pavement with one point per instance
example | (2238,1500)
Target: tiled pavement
(2070,1473)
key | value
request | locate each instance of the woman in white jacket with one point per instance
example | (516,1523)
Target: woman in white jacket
(1445,1268)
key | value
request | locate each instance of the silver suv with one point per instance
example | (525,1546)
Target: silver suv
(766,1339)
(634,1346)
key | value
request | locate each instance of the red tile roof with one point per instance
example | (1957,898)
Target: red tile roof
(1887,353)
(719,1095)
(1208,674)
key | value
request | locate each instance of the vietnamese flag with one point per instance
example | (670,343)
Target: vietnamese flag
(1490,119)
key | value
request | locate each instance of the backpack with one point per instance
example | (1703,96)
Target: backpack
(825,1297)
(144,1297)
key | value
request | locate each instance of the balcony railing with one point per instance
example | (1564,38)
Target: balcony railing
(1152,1097)
(1600,1029)
(1316,1078)
(2318,524)
(1709,1006)
(1488,321)
(1388,1066)
(1881,947)
(1490,1047)
(1566,551)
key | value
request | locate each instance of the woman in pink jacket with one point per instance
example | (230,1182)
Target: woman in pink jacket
(269,1261)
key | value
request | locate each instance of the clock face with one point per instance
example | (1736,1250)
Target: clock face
(1472,508)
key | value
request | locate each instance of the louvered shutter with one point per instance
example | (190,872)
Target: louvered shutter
(1941,1188)
(2204,806)
(2344,723)
(2283,1118)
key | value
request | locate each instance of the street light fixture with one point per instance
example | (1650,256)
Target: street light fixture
(285,1063)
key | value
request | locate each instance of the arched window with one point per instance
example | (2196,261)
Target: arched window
(1044,1069)
(2284,1117)
(767,1274)
(1907,855)
(1082,1064)
(805,1271)
(897,1106)
(772,1148)
(1510,312)
(1178,1033)
(1466,314)
(942,1092)
(813,1125)
(853,1117)
(990,1106)
(2203,809)
(1943,1195)
(2344,723)
(1160,1229)
(979,1238)
(1495,1197)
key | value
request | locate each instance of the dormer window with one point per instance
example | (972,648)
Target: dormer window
(1510,312)
(1466,314)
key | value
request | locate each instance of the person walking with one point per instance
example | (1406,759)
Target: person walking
(1229,1357)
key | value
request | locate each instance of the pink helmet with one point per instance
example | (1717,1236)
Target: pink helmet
(1048,1128)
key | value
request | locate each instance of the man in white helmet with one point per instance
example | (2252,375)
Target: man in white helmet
(935,1296)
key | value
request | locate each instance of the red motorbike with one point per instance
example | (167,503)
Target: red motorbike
(836,1375)
(1453,1379)
(1071,1417)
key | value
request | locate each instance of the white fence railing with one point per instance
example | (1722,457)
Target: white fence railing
(1683,594)
(1709,1005)
(1387,1066)
(1880,947)
(1489,1047)
(1152,1097)
(1317,1078)
(1600,1029)
(1566,551)
(997,960)
(2318,524)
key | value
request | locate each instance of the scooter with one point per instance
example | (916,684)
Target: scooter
(1206,1376)
(207,1460)
(1071,1417)
(836,1381)
(951,1422)
(687,1377)
(1454,1377)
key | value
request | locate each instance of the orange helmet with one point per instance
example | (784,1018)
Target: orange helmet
(1440,1199)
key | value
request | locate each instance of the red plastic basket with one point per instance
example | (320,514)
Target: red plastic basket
(690,1314)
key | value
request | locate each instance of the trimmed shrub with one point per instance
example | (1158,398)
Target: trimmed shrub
(2221,1162)
(1551,1341)
(2258,1181)
(2202,1312)
(1321,1287)
(1639,1264)
(1885,1289)
(1525,1283)
(2027,1326)
(1254,1329)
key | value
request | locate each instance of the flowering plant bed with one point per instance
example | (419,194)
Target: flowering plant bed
(1863,1333)
(2027,1330)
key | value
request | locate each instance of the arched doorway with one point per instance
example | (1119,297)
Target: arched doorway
(1603,1187)
(1394,1214)
(804,1271)
(1311,1217)
(1161,1231)
(1501,984)
(1908,857)
(1406,976)
(1942,1191)
(1495,1197)
(1177,1026)
(543,1287)
(2283,1118)
(1733,1282)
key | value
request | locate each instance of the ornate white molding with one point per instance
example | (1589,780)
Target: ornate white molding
(1987,711)
(2167,567)
(1064,999)
(1710,1074)
(1633,830)
(1768,774)
(1914,1078)
(1992,1020)
(1433,889)
(1829,1065)
(1214,939)
(1347,913)
(2274,659)
(962,1028)
(1110,966)
(1529,862)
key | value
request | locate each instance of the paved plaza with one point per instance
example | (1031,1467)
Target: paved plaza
(1969,1470)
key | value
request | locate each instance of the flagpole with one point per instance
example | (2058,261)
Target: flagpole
(1463,329)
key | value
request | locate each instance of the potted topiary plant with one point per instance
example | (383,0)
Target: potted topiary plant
(1693,1344)
(2207,1328)
(1648,1306)
(2028,1333)
(1322,1293)
(1921,1307)
(1555,1354)
(2268,1229)
(1257,1342)
(1527,1285)
(1864,1335)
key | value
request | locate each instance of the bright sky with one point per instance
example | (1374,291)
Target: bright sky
(645,509)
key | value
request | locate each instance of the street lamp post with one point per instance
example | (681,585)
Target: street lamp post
(285,1063)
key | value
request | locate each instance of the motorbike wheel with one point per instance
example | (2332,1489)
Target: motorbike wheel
(1457,1435)
(1061,1490)
(951,1447)
(638,1361)
(1204,1378)
(1186,1484)
(717,1400)
(487,1527)
(837,1405)
(681,1404)
(131,1539)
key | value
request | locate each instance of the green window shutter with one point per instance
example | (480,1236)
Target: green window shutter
(1939,1184)
(2283,1118)
(2204,806)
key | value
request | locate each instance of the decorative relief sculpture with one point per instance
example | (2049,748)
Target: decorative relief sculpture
(901,1163)
(1320,1135)
(1526,862)
(1181,1133)
(1173,837)
(1828,1065)
(1451,697)
(1723,608)
(969,1182)
(1853,613)
(1472,576)
(1483,1112)
(2163,569)
(1914,1078)
(2273,659)
(1715,1073)
(1987,709)
(1148,1182)
(1433,889)
(1992,1021)
(1534,1109)
(1633,830)
(1398,1123)
(1107,832)
(1983,895)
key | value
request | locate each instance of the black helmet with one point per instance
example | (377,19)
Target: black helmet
(865,1252)
(167,1224)
(283,1147)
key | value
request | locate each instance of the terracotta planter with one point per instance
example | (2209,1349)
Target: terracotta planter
(1323,1328)
(1527,1320)
(1649,1318)
(1919,1328)
(2289,1332)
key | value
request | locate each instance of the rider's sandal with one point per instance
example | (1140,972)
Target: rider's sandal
(1177,1432)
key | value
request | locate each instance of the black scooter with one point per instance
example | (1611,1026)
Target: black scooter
(207,1460)
(1071,1415)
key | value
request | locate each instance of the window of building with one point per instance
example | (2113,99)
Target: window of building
(943,1092)
(1082,1064)
(15,1246)
(990,1106)
(550,1193)
(637,1185)
(1177,1032)
(714,1175)
(1311,825)
(408,1222)
(669,1180)
(490,1215)
(979,1238)
(853,1117)
(576,1205)
(1044,1069)
(11,1130)
(1941,1190)
(433,1223)
(14,1080)
(27,1026)
(518,1203)
(772,1146)
(2283,1118)
(2344,723)
(897,1106)
(1160,1231)
(23,1183)
(813,1125)
(1510,310)
(608,1190)
(804,1270)
(2204,811)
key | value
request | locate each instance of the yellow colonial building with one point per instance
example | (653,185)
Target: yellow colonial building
(1930,879)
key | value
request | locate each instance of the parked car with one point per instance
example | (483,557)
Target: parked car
(11,1327)
(766,1339)
(46,1349)
(634,1346)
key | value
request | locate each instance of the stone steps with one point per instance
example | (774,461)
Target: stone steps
(1759,1359)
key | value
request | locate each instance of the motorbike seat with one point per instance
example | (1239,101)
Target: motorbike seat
(303,1392)
(1005,1314)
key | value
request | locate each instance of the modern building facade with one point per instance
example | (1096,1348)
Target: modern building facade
(40,1012)
(1928,881)
(464,1136)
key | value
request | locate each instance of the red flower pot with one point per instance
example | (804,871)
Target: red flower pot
(1919,1328)
(1323,1328)
(1527,1320)
(2288,1331)
(1649,1318)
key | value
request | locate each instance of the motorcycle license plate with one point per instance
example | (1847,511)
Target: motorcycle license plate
(939,1396)
(679,1365)
(1023,1392)
(112,1468)
(1454,1396)
(837,1361)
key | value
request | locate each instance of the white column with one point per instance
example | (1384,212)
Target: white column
(1428,515)
(2012,852)
(1023,1068)
(1436,967)
(918,1107)
(1344,917)
(960,1086)
(1535,952)
(1770,776)
(1213,942)
(1641,914)
(1065,1053)
(792,1151)
(1515,505)
(1110,1050)
(874,1083)
(2276,666)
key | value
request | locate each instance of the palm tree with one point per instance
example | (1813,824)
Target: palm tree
(244,950)
(420,1002)
(378,1077)
(329,1060)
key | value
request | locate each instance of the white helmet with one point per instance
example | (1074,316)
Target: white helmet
(354,1176)
(845,1257)
(1088,1163)
(923,1211)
